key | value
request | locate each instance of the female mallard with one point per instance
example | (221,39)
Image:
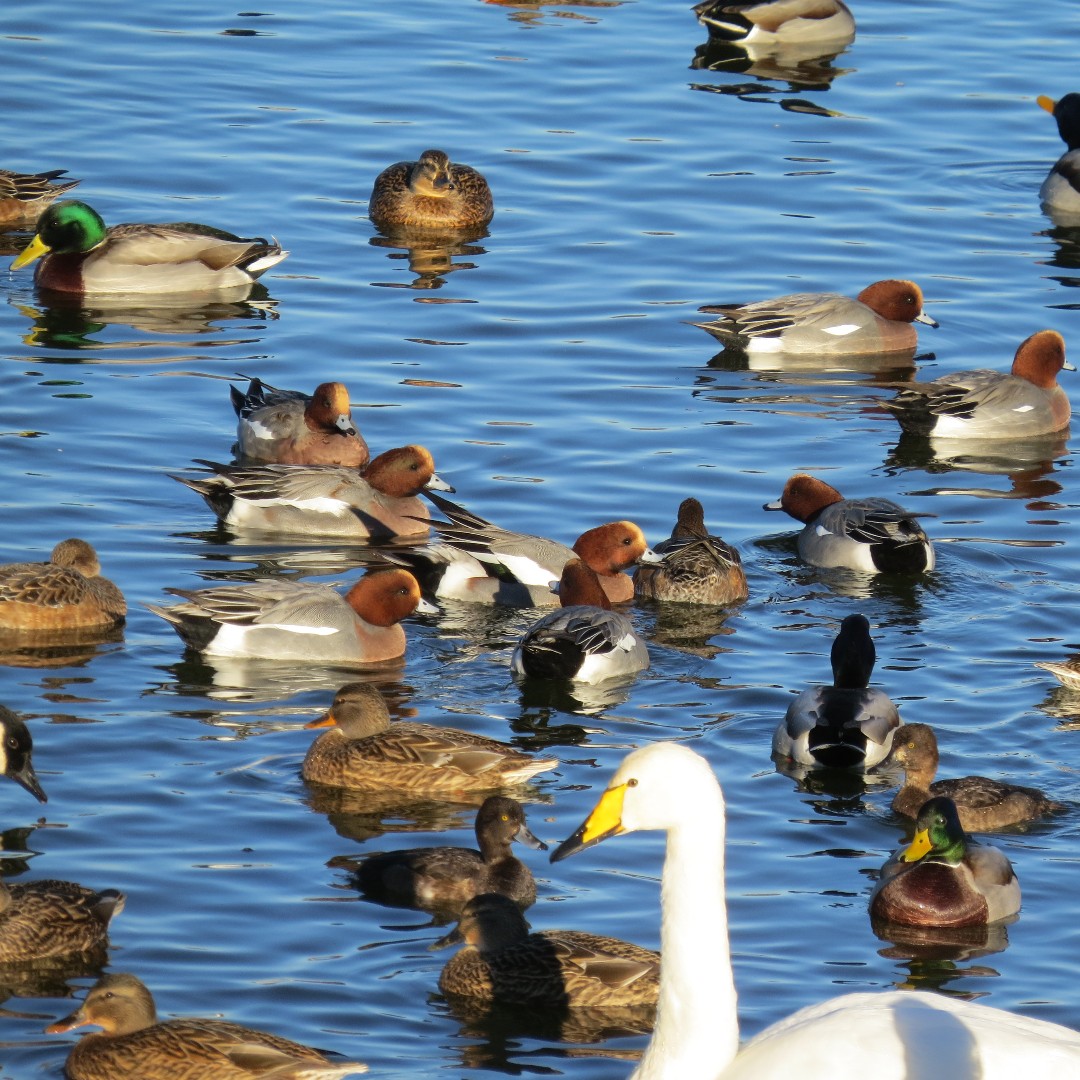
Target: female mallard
(848,724)
(83,256)
(944,879)
(53,918)
(135,1045)
(696,568)
(66,593)
(670,787)
(23,196)
(16,748)
(981,803)
(442,878)
(504,964)
(431,193)
(364,749)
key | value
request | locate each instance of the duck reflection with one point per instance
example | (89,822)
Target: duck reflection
(805,68)
(56,648)
(430,253)
(531,12)
(885,369)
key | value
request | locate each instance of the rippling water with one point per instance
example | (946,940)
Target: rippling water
(549,368)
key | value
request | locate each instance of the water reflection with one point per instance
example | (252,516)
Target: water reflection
(883,368)
(805,68)
(532,12)
(430,254)
(56,648)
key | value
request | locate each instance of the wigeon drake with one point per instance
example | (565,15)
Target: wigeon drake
(879,320)
(777,23)
(325,500)
(287,427)
(872,535)
(481,562)
(430,193)
(16,749)
(1061,188)
(365,749)
(66,593)
(695,567)
(846,725)
(584,641)
(987,404)
(290,620)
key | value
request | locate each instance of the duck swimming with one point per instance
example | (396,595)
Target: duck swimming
(430,193)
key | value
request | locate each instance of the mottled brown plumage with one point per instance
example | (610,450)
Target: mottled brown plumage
(23,196)
(432,192)
(53,918)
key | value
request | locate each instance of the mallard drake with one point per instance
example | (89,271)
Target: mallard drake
(364,749)
(1061,189)
(53,918)
(288,427)
(871,535)
(442,878)
(670,787)
(81,255)
(23,196)
(981,803)
(846,725)
(66,593)
(1019,404)
(16,748)
(135,1045)
(430,193)
(944,879)
(778,23)
(327,500)
(504,964)
(584,641)
(878,320)
(696,568)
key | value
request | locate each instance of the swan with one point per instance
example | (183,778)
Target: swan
(894,1035)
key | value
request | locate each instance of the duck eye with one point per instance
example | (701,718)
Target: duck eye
(632,782)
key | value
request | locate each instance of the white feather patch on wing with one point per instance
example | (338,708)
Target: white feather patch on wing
(840,330)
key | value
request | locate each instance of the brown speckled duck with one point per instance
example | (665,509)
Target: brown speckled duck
(23,196)
(503,963)
(431,193)
(982,804)
(134,1045)
(53,918)
(66,593)
(364,749)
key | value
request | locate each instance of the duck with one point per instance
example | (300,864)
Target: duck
(364,749)
(984,404)
(880,319)
(289,427)
(943,878)
(1067,672)
(982,804)
(478,561)
(23,196)
(846,725)
(134,1045)
(53,918)
(1061,188)
(16,753)
(290,620)
(327,500)
(584,641)
(695,567)
(889,1035)
(80,255)
(430,193)
(502,963)
(443,878)
(65,593)
(871,535)
(779,23)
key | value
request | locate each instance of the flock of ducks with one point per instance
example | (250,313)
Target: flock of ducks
(303,468)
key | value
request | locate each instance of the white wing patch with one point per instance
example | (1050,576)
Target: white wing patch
(1024,408)
(820,530)
(841,329)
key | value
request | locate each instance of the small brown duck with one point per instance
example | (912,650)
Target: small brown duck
(66,593)
(982,804)
(23,196)
(697,568)
(16,747)
(431,193)
(53,918)
(503,963)
(442,879)
(135,1045)
(365,749)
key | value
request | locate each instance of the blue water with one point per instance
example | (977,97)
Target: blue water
(549,369)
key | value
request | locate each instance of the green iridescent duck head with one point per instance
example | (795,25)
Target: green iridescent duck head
(66,227)
(938,834)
